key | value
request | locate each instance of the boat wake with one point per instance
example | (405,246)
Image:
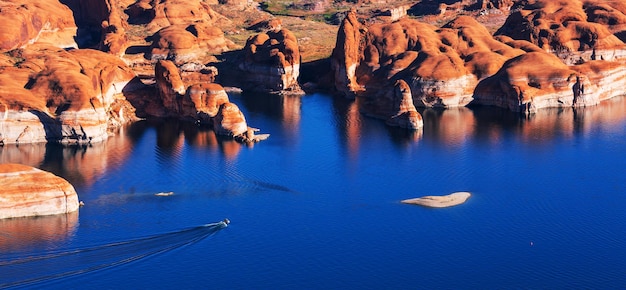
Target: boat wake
(24,271)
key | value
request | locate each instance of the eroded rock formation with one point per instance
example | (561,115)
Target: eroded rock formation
(574,30)
(53,95)
(272,62)
(441,65)
(540,80)
(461,63)
(28,191)
(204,103)
(188,43)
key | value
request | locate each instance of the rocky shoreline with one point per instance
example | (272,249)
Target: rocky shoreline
(77,81)
(75,72)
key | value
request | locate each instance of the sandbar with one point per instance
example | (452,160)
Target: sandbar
(452,199)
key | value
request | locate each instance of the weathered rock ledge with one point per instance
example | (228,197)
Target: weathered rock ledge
(28,191)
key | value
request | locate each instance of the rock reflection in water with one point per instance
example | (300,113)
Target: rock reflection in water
(285,108)
(78,164)
(25,233)
(454,126)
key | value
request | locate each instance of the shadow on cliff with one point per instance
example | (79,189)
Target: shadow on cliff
(317,76)
(314,75)
(88,20)
(429,7)
(229,74)
(52,127)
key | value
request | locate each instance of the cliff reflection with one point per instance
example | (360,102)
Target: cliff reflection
(453,127)
(24,233)
(80,165)
(83,165)
(285,108)
(349,123)
(172,135)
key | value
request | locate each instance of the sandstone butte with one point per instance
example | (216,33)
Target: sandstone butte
(272,61)
(461,63)
(28,191)
(452,199)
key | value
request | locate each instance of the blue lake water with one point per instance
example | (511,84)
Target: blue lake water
(317,205)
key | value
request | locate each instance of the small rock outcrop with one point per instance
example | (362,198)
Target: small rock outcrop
(440,201)
(28,191)
(405,115)
(272,62)
(394,105)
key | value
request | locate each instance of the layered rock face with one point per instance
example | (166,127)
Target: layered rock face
(55,95)
(29,21)
(28,191)
(539,80)
(272,62)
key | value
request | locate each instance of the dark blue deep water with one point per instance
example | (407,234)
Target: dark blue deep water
(317,205)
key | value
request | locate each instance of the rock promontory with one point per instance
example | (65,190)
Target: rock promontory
(202,103)
(28,191)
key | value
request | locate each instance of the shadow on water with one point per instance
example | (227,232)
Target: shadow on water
(67,263)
